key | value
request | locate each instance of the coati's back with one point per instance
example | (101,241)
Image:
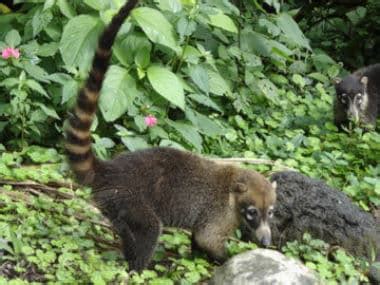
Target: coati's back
(178,184)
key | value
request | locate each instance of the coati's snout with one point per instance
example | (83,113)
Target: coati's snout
(258,221)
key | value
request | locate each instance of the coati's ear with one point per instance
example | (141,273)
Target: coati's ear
(336,80)
(274,185)
(240,187)
(364,80)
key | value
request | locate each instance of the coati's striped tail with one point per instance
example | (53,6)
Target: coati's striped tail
(78,140)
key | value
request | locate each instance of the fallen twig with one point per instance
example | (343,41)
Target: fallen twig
(257,161)
(44,188)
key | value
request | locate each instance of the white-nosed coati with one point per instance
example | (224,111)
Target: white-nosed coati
(144,190)
(358,97)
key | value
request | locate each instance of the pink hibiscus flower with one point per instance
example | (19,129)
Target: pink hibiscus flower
(10,52)
(150,120)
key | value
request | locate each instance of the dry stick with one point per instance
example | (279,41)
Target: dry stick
(44,188)
(251,161)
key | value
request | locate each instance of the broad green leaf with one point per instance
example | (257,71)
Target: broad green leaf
(35,71)
(48,49)
(40,20)
(218,85)
(255,42)
(48,111)
(204,123)
(199,76)
(188,132)
(118,92)
(222,21)
(48,4)
(142,58)
(79,39)
(66,8)
(170,143)
(13,38)
(166,83)
(96,4)
(134,143)
(156,27)
(34,85)
(291,30)
(299,80)
(205,101)
(69,90)
(170,5)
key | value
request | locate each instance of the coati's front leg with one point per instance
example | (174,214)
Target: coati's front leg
(139,230)
(340,115)
(211,240)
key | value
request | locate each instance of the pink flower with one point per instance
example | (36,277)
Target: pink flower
(10,52)
(150,120)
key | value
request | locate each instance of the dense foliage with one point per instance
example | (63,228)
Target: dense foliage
(349,29)
(219,81)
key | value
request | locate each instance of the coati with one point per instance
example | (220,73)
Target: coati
(358,97)
(142,191)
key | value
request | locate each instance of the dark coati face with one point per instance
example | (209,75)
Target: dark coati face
(256,201)
(352,96)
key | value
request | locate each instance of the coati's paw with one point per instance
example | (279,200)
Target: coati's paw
(137,265)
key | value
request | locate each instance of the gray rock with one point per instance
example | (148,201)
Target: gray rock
(263,267)
(310,205)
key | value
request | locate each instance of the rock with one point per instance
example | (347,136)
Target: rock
(310,205)
(263,266)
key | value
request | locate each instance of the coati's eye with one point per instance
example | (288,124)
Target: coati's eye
(360,98)
(270,213)
(251,213)
(343,98)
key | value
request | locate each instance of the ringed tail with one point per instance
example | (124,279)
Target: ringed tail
(78,138)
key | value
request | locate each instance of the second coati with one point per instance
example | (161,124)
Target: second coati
(358,97)
(142,191)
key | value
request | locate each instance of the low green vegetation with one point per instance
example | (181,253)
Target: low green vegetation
(218,82)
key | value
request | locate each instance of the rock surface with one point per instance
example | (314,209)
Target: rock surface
(310,205)
(263,267)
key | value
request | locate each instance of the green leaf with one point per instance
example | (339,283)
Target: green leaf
(142,58)
(48,111)
(48,49)
(218,85)
(166,83)
(205,101)
(156,27)
(174,6)
(118,92)
(291,30)
(80,36)
(222,21)
(188,132)
(255,42)
(207,126)
(134,143)
(69,90)
(35,71)
(34,85)
(13,38)
(66,9)
(96,4)
(40,20)
(200,77)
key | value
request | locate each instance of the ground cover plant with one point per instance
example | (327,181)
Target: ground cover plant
(216,78)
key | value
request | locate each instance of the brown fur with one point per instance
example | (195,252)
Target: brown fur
(142,191)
